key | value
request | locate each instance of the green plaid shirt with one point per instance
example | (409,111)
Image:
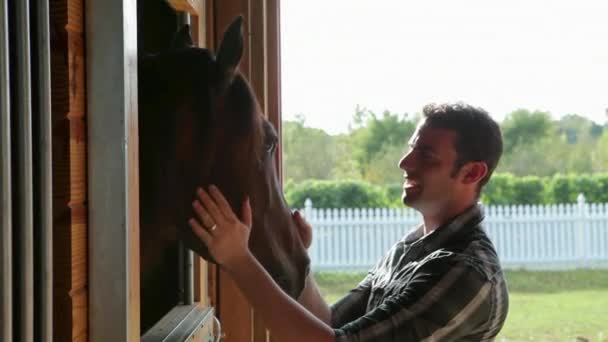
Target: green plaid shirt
(445,286)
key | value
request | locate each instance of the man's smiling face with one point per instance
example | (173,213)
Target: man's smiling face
(429,180)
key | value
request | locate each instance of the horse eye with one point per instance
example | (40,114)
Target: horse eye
(270,146)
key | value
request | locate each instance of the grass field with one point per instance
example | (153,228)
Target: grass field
(544,306)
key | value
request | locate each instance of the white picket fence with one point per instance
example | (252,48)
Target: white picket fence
(526,237)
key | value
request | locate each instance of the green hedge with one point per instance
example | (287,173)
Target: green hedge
(507,189)
(565,188)
(503,188)
(335,194)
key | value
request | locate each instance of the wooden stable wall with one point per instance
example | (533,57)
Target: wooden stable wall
(69,171)
(261,66)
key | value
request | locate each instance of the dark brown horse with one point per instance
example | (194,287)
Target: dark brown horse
(200,124)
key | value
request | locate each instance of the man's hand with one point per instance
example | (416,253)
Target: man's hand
(304,229)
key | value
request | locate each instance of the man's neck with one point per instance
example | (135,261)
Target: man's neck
(434,221)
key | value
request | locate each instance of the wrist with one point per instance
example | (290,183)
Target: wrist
(240,263)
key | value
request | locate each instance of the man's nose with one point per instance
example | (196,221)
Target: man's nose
(405,163)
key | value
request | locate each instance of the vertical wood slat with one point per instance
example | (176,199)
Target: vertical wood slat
(202,286)
(258,65)
(233,309)
(212,279)
(70,296)
(261,66)
(194,13)
(6,218)
(264,60)
(199,22)
(273,62)
(258,62)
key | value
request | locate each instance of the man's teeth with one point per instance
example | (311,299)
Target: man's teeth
(411,183)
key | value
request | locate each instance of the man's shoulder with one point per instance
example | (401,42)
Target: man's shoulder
(476,259)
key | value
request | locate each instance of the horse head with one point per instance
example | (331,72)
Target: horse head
(200,124)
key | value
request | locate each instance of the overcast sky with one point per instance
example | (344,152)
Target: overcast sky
(398,55)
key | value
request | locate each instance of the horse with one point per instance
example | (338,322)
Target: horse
(200,124)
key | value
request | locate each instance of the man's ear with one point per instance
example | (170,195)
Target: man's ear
(473,172)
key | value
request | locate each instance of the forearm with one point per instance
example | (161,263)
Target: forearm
(312,300)
(286,319)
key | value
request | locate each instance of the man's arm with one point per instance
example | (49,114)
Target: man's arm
(312,300)
(444,301)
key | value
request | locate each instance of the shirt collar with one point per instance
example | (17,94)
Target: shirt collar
(470,217)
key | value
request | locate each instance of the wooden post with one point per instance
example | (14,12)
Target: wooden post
(113,186)
(233,309)
(273,60)
(261,65)
(70,295)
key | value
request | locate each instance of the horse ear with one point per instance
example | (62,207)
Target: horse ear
(182,39)
(231,48)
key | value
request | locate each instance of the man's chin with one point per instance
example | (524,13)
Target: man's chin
(409,201)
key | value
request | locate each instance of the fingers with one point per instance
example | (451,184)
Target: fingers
(304,229)
(300,220)
(210,206)
(202,214)
(222,203)
(201,232)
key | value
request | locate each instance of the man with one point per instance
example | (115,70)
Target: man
(442,282)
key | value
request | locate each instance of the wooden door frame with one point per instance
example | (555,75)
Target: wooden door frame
(113,184)
(113,171)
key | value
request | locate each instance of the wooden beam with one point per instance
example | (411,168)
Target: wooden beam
(202,280)
(193,7)
(258,62)
(113,185)
(273,60)
(70,294)
(258,77)
(233,309)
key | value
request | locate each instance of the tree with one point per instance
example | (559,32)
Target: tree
(345,167)
(375,140)
(307,152)
(576,128)
(542,158)
(523,128)
(383,168)
(599,156)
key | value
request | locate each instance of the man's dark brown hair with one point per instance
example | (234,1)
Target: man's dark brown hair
(478,135)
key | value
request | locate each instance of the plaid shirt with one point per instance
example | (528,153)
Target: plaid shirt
(445,286)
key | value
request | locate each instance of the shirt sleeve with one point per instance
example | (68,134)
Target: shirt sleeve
(353,305)
(442,302)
